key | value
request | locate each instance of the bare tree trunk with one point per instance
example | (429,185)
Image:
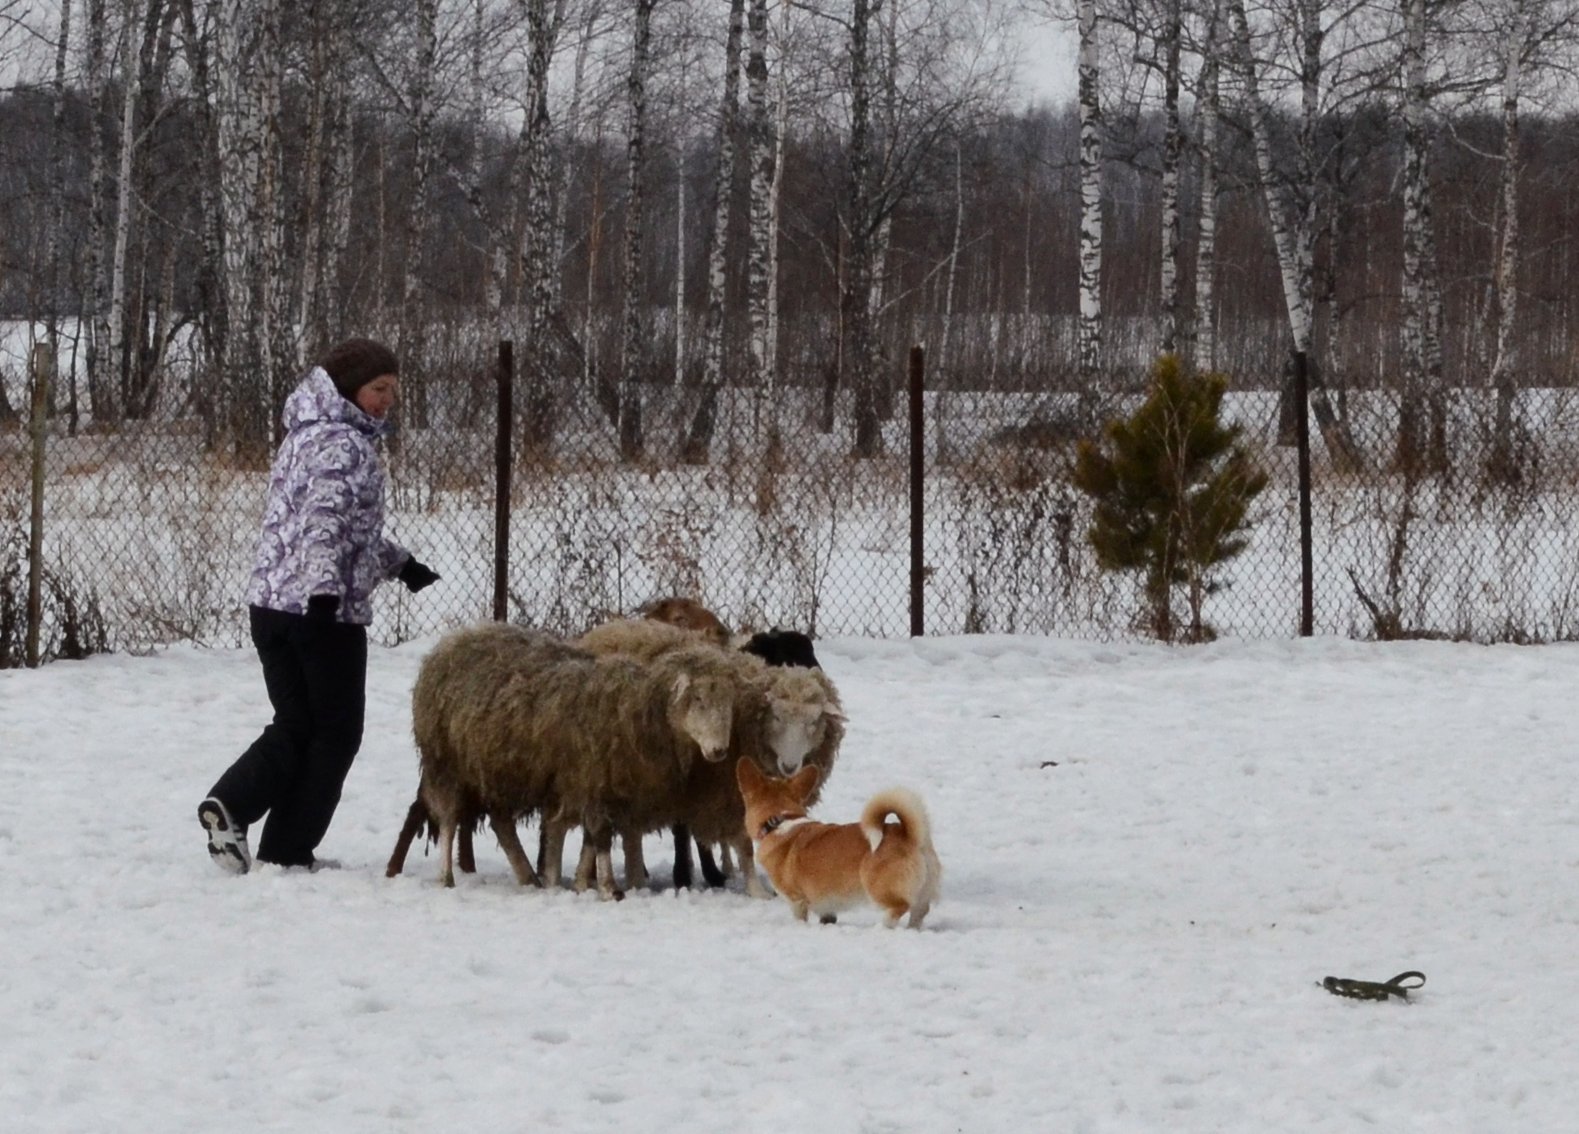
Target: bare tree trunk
(699,440)
(413,322)
(1292,239)
(760,274)
(770,365)
(242,126)
(1502,462)
(679,260)
(114,369)
(856,299)
(632,354)
(57,207)
(543,396)
(276,358)
(1411,443)
(99,386)
(571,133)
(943,363)
(883,239)
(205,166)
(1172,149)
(323,121)
(1206,238)
(1089,334)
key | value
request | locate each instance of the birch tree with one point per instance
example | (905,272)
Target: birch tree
(860,225)
(53,239)
(765,138)
(116,367)
(1292,227)
(632,353)
(1422,349)
(1089,333)
(100,388)
(1210,102)
(699,437)
(1530,36)
(413,320)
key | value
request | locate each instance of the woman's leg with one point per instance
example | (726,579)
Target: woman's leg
(263,773)
(332,661)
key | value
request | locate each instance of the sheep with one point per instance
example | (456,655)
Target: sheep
(781,648)
(511,722)
(783,719)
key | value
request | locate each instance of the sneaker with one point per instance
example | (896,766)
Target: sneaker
(227,839)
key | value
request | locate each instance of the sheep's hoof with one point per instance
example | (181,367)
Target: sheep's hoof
(828,919)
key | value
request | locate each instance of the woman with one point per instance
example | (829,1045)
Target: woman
(321,554)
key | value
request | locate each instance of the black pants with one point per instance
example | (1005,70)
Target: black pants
(316,676)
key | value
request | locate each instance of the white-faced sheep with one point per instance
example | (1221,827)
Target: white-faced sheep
(783,718)
(511,722)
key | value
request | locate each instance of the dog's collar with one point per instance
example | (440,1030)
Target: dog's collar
(781,823)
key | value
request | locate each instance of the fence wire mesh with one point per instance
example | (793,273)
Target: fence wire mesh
(148,528)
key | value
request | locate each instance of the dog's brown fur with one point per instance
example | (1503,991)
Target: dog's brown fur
(688,614)
(828,867)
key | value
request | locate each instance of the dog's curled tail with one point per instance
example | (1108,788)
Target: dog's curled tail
(903,804)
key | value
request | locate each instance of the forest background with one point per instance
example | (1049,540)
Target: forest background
(713,231)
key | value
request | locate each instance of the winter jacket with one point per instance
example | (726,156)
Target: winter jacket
(323,526)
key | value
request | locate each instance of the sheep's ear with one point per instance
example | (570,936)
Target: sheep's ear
(834,713)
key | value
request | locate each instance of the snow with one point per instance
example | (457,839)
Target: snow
(1152,856)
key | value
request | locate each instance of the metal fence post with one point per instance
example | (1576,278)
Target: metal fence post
(502,471)
(43,363)
(917,484)
(1307,602)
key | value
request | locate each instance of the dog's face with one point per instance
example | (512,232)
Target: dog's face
(704,708)
(688,614)
(767,797)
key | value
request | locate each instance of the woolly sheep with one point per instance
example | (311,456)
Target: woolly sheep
(783,718)
(511,722)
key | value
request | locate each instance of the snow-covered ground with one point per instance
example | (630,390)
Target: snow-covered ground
(1152,858)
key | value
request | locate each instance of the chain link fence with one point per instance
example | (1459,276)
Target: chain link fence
(147,530)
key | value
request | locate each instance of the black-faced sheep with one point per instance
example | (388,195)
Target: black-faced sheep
(784,718)
(781,648)
(511,722)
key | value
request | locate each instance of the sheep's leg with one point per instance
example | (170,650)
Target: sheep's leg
(602,840)
(748,867)
(726,860)
(551,850)
(466,857)
(416,819)
(586,864)
(510,843)
(682,856)
(447,850)
(711,874)
(635,862)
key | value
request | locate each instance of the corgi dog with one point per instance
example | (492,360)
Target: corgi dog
(824,868)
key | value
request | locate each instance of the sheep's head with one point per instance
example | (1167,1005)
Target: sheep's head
(799,716)
(702,706)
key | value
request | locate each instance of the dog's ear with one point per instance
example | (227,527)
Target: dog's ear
(747,776)
(804,780)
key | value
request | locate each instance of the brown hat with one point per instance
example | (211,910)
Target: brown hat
(356,362)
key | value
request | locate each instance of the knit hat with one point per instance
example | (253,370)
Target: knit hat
(356,362)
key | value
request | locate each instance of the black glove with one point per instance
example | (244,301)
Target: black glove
(321,609)
(416,575)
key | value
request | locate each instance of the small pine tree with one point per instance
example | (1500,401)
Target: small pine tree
(1172,486)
